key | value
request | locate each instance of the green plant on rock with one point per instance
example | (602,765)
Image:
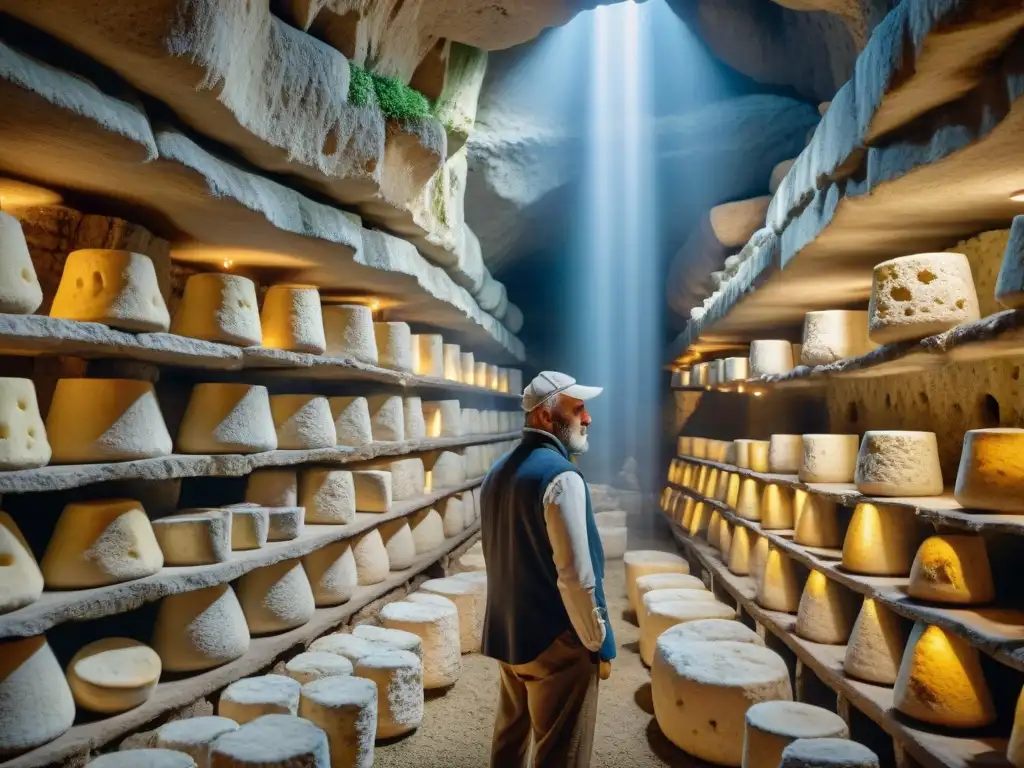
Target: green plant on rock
(394,98)
(360,86)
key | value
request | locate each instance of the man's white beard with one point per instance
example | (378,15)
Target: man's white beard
(573,437)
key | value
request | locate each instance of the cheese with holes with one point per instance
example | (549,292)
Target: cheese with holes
(991,473)
(273,487)
(372,489)
(818,524)
(23,443)
(399,679)
(643,562)
(220,308)
(702,690)
(829,458)
(430,352)
(443,418)
(372,564)
(415,425)
(740,550)
(780,585)
(193,736)
(20,292)
(276,597)
(93,420)
(828,753)
(438,627)
(660,615)
(827,610)
(148,757)
(302,422)
(785,453)
(315,665)
(427,530)
(899,463)
(921,295)
(876,644)
(36,705)
(97,543)
(113,675)
(346,709)
(452,516)
(470,599)
(941,681)
(348,332)
(748,499)
(834,334)
(399,543)
(394,346)
(328,496)
(773,725)
(613,541)
(332,573)
(197,537)
(881,540)
(770,357)
(285,523)
(292,320)
(397,639)
(952,569)
(116,288)
(227,418)
(387,418)
(21,582)
(200,630)
(250,525)
(777,507)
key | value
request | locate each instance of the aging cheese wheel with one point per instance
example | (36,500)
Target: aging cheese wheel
(332,573)
(828,753)
(467,364)
(393,638)
(273,487)
(399,543)
(302,422)
(250,526)
(351,416)
(199,537)
(712,630)
(21,582)
(20,292)
(274,741)
(372,563)
(113,675)
(443,418)
(315,665)
(328,496)
(660,615)
(194,736)
(827,610)
(36,705)
(292,320)
(387,418)
(774,725)
(991,473)
(23,443)
(785,452)
(770,357)
(427,530)
(613,541)
(829,458)
(221,308)
(952,569)
(415,423)
(227,418)
(643,562)
(759,450)
(834,334)
(876,644)
(438,628)
(399,679)
(881,540)
(285,523)
(777,507)
(897,463)
(818,524)
(252,697)
(736,369)
(453,364)
(741,550)
(349,646)
(780,587)
(144,758)
(748,499)
(372,490)
(276,597)
(348,333)
(430,351)
(346,709)
(200,630)
(394,345)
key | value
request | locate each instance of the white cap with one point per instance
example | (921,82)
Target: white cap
(550,383)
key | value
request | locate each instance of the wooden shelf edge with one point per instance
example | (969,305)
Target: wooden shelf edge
(262,652)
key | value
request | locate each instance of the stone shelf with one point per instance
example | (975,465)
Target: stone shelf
(60,477)
(931,749)
(263,651)
(57,607)
(999,632)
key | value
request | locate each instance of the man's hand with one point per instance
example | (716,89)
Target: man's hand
(605,670)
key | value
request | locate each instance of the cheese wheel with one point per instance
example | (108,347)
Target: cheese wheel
(714,526)
(200,630)
(709,483)
(94,420)
(36,705)
(276,597)
(828,753)
(394,346)
(610,518)
(829,458)
(785,453)
(21,582)
(493,381)
(387,418)
(372,490)
(98,543)
(742,449)
(991,472)
(717,372)
(193,736)
(452,516)
(408,478)
(470,599)
(273,487)
(643,562)
(438,628)
(393,638)
(116,288)
(772,725)
(250,525)
(274,741)
(876,644)
(731,497)
(718,450)
(711,630)
(220,308)
(941,681)
(724,538)
(399,543)
(399,679)
(415,424)
(698,521)
(348,332)
(827,610)
(328,496)
(252,697)
(144,758)
(952,569)
(470,421)
(199,537)
(777,507)
(332,573)
(285,523)
(759,455)
(899,463)
(349,646)
(833,335)
(302,422)
(881,540)
(430,350)
(741,550)
(372,564)
(702,691)
(453,364)
(447,469)
(818,524)
(700,447)
(227,418)
(20,292)
(480,374)
(759,559)
(467,364)
(503,380)
(292,319)
(1015,747)
(315,665)
(748,499)
(736,369)
(113,675)
(427,530)
(662,581)
(23,443)
(613,541)
(346,709)
(351,417)
(661,615)
(443,418)
(770,357)
(921,295)
(780,585)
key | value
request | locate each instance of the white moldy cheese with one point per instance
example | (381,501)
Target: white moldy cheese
(194,736)
(273,487)
(372,490)
(430,355)
(443,418)
(332,573)
(447,470)
(898,463)
(660,615)
(828,753)
(829,458)
(348,332)
(394,346)
(452,362)
(23,443)
(372,563)
(770,357)
(276,597)
(36,705)
(399,679)
(452,515)
(199,537)
(427,530)
(328,496)
(227,418)
(921,295)
(351,647)
(387,418)
(415,424)
(346,709)
(881,540)
(785,453)
(351,417)
(392,638)
(876,644)
(702,691)
(250,525)
(736,369)
(480,374)
(116,288)
(827,611)
(148,757)
(302,422)
(470,599)
(467,364)
(613,541)
(20,292)
(21,582)
(93,420)
(273,741)
(252,697)
(97,543)
(220,308)
(941,681)
(438,628)
(952,569)
(991,473)
(113,675)
(833,335)
(773,725)
(200,630)
(711,630)
(291,319)
(643,562)
(408,477)
(285,523)
(315,665)
(399,543)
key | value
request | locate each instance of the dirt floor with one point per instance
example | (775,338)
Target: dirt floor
(456,730)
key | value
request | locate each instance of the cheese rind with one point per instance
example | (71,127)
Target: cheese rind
(991,472)
(748,499)
(827,753)
(899,463)
(470,599)
(252,697)
(93,420)
(372,490)
(829,458)
(20,292)
(779,588)
(21,582)
(273,487)
(194,736)
(387,418)
(876,644)
(429,355)
(113,675)
(660,615)
(199,537)
(36,705)
(328,496)
(392,638)
(777,507)
(341,644)
(302,422)
(759,450)
(771,726)
(23,443)
(220,308)
(712,630)
(827,611)
(818,523)
(200,630)
(116,288)
(834,334)
(427,530)
(394,346)
(881,540)
(285,523)
(276,597)
(415,424)
(351,416)
(250,525)
(643,562)
(399,543)
(227,418)
(736,369)
(467,363)
(452,362)
(274,741)
(348,332)
(613,541)
(372,563)
(741,550)
(332,573)
(315,665)
(292,320)
(785,453)
(443,418)
(447,470)
(611,518)
(452,516)
(952,569)
(399,679)
(438,628)
(770,357)
(941,681)
(346,709)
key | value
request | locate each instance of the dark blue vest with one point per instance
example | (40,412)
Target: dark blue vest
(525,612)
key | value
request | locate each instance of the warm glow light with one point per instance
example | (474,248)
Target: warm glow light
(740,389)
(1018,196)
(18,195)
(757,394)
(227,263)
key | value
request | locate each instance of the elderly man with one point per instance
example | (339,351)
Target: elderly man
(547,620)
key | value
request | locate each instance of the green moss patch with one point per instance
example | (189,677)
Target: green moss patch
(396,100)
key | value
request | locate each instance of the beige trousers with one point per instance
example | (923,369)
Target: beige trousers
(553,699)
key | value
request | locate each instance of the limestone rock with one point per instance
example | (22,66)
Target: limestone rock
(23,443)
(315,665)
(302,422)
(200,630)
(227,418)
(36,705)
(349,332)
(221,308)
(398,676)
(275,598)
(346,709)
(876,644)
(194,736)
(952,569)
(113,675)
(328,496)
(269,740)
(21,582)
(332,573)
(200,537)
(20,292)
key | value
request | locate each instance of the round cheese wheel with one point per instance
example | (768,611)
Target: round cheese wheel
(952,569)
(899,463)
(731,497)
(346,709)
(372,563)
(23,444)
(302,422)
(351,417)
(276,597)
(36,705)
(829,458)
(200,630)
(21,582)
(785,452)
(834,334)
(742,451)
(427,530)
(658,581)
(399,543)
(470,599)
(252,697)
(779,588)
(292,320)
(777,507)
(387,418)
(827,610)
(438,628)
(748,499)
(773,725)
(332,573)
(394,345)
(736,369)
(220,308)
(725,529)
(770,357)
(348,332)
(227,418)
(273,741)
(453,367)
(399,679)
(876,644)
(397,638)
(699,521)
(759,558)
(881,540)
(714,529)
(20,292)
(828,753)
(1015,747)
(113,675)
(429,353)
(711,630)
(144,758)
(741,550)
(643,562)
(194,736)
(313,665)
(759,450)
(663,614)
(351,647)
(818,524)
(991,472)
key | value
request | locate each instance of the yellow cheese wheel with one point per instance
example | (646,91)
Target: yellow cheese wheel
(759,455)
(741,550)
(819,524)
(291,319)
(113,675)
(221,308)
(952,569)
(991,473)
(827,610)
(780,586)
(748,499)
(776,507)
(732,491)
(881,540)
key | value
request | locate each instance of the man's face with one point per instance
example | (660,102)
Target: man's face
(569,423)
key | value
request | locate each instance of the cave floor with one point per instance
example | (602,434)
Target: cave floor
(456,729)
